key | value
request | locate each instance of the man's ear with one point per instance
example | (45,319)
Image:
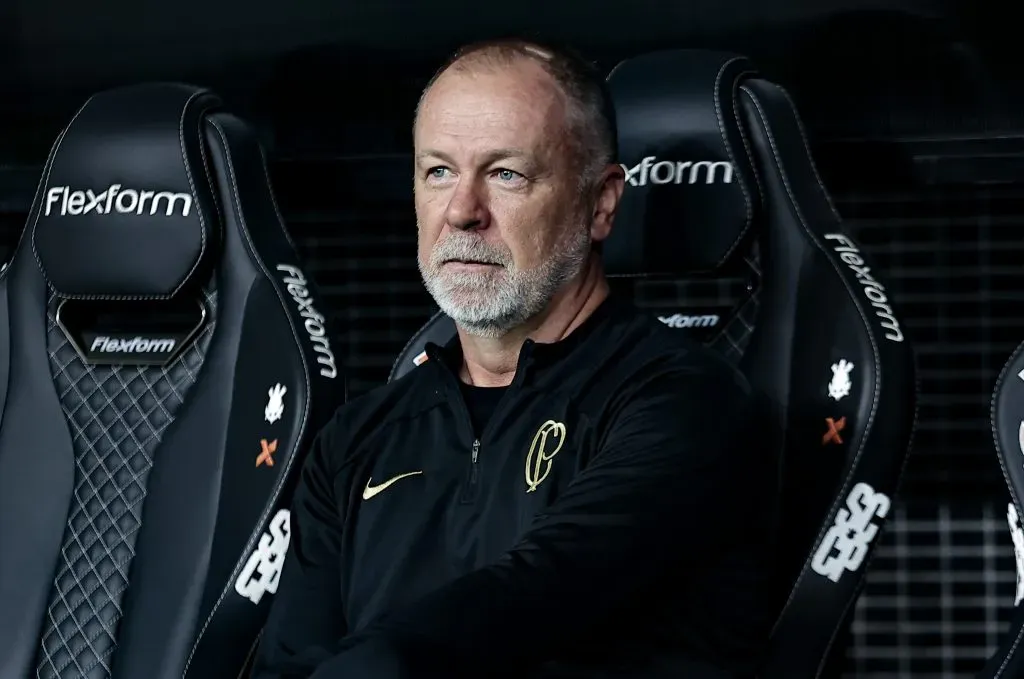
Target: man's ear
(610,186)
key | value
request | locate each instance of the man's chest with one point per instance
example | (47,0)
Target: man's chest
(435,500)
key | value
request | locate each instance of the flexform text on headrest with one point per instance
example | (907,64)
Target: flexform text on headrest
(125,209)
(691,192)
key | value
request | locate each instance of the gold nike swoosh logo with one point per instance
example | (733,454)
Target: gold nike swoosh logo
(370,491)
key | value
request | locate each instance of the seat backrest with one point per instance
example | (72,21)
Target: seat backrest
(1008,432)
(725,231)
(164,362)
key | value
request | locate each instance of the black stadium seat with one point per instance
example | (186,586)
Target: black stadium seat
(721,190)
(1008,431)
(163,364)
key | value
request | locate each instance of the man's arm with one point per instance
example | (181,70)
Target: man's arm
(663,492)
(306,617)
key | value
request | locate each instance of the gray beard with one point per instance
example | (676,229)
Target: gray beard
(491,303)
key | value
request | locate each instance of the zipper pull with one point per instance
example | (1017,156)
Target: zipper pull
(476,450)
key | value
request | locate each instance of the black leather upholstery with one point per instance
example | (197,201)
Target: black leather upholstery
(164,364)
(139,201)
(1008,660)
(684,167)
(839,310)
(721,181)
(1008,431)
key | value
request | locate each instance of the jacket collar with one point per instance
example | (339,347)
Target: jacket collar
(534,356)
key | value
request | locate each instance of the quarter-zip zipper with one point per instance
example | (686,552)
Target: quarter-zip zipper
(469,488)
(469,491)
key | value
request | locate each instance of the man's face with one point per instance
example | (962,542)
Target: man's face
(501,218)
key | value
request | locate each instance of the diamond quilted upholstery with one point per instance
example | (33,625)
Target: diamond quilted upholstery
(738,291)
(734,338)
(117,415)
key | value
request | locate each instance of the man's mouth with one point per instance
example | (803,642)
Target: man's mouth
(470,262)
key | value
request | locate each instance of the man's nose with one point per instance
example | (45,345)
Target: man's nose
(467,209)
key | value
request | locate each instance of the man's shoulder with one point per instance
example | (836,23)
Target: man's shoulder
(359,419)
(405,397)
(678,387)
(655,349)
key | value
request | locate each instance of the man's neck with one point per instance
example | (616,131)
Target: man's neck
(492,362)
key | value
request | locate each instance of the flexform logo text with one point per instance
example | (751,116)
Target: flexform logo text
(650,170)
(313,320)
(65,201)
(132,345)
(690,321)
(873,290)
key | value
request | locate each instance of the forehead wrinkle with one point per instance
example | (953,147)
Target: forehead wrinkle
(543,122)
(524,76)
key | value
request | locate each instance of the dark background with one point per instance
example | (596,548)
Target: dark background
(915,115)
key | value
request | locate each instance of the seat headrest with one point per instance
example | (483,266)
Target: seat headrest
(691,193)
(125,208)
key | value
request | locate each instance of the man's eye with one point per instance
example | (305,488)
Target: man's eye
(507,175)
(437,172)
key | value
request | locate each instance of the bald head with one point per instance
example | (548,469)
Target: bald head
(587,113)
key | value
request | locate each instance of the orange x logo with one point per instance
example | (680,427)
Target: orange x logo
(267,454)
(834,427)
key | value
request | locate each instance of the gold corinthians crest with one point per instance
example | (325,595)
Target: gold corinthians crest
(546,443)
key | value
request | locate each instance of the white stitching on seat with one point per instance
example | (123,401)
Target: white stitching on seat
(810,158)
(1000,453)
(1013,649)
(748,203)
(748,149)
(835,213)
(44,181)
(284,476)
(273,198)
(844,487)
(1000,456)
(192,188)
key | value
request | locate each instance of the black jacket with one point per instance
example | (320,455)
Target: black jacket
(614,519)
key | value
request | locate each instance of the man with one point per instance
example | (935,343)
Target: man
(567,490)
